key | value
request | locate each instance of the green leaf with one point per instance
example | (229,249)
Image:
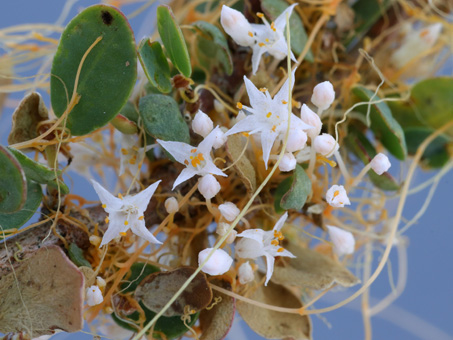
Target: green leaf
(39,172)
(365,151)
(273,8)
(13,187)
(108,74)
(367,13)
(76,256)
(387,130)
(292,193)
(436,154)
(212,46)
(124,125)
(155,64)
(19,218)
(430,104)
(173,40)
(162,118)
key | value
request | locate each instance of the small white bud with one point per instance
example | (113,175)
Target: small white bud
(312,119)
(236,25)
(288,162)
(202,124)
(337,197)
(380,163)
(323,95)
(229,211)
(93,296)
(218,106)
(297,140)
(245,273)
(231,237)
(208,186)
(325,144)
(222,228)
(220,139)
(171,205)
(343,241)
(219,263)
(100,282)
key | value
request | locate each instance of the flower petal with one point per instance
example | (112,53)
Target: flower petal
(180,151)
(270,260)
(280,22)
(112,203)
(206,144)
(282,95)
(249,249)
(186,174)
(115,227)
(249,123)
(141,200)
(256,57)
(281,221)
(253,234)
(267,141)
(139,229)
(210,168)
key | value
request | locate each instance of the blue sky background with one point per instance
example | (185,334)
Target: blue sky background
(423,311)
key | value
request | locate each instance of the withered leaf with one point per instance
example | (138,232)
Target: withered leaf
(272,324)
(216,322)
(26,117)
(311,269)
(47,295)
(244,168)
(158,288)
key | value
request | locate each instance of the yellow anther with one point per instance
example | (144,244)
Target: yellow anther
(274,242)
(106,220)
(280,250)
(186,162)
(135,148)
(260,15)
(239,105)
(200,157)
(245,134)
(104,206)
(325,160)
(141,218)
(124,151)
(284,102)
(250,34)
(336,193)
(278,117)
(273,26)
(195,162)
(263,89)
(120,196)
(126,222)
(122,233)
(273,128)
(193,150)
(269,114)
(191,157)
(132,161)
(267,40)
(261,44)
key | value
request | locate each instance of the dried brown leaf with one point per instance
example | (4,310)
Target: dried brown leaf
(216,322)
(26,117)
(311,269)
(272,324)
(44,294)
(244,168)
(158,288)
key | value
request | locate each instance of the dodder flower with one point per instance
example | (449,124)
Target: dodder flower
(263,38)
(126,213)
(257,242)
(343,241)
(380,163)
(269,117)
(93,296)
(229,211)
(337,197)
(325,144)
(202,124)
(323,95)
(197,160)
(245,273)
(219,263)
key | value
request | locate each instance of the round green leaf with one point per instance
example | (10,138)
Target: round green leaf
(387,130)
(19,218)
(108,73)
(13,187)
(162,118)
(155,64)
(173,40)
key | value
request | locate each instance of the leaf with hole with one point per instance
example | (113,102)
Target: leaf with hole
(386,129)
(173,40)
(108,73)
(13,185)
(155,64)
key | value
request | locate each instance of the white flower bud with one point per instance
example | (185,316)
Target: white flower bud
(343,241)
(220,139)
(100,282)
(171,205)
(325,144)
(288,162)
(245,273)
(297,140)
(93,296)
(337,197)
(231,237)
(229,211)
(323,95)
(222,228)
(236,25)
(380,163)
(219,263)
(208,186)
(218,106)
(202,124)
(311,118)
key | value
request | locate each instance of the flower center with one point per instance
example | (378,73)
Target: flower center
(196,159)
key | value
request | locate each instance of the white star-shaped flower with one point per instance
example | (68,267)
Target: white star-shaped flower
(257,242)
(197,160)
(269,116)
(126,213)
(262,38)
